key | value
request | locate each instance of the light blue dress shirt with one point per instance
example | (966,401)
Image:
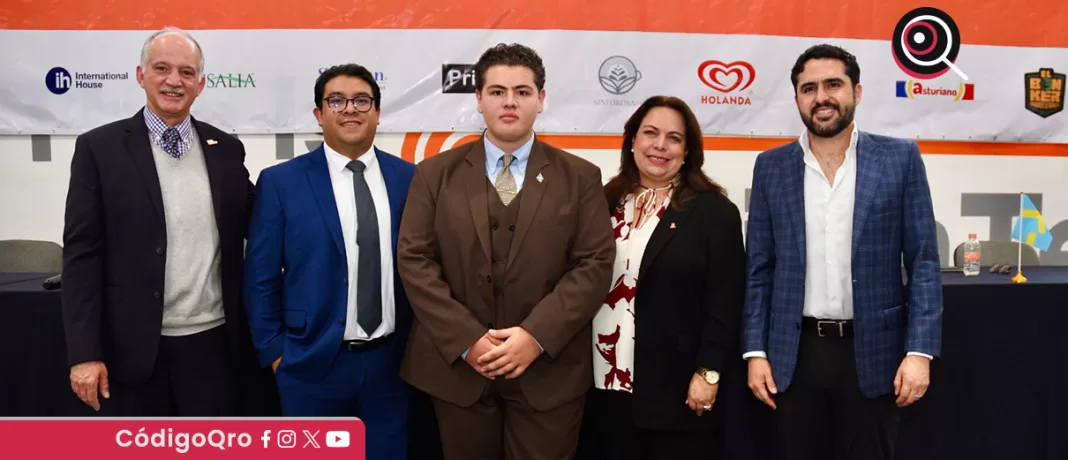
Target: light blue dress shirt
(494,164)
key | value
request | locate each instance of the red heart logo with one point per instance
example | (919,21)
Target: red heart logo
(712,73)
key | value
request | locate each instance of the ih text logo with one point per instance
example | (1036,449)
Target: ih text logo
(58,80)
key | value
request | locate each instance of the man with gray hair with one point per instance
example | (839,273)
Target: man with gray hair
(155,223)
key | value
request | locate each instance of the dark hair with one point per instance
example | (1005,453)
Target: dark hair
(351,70)
(691,178)
(825,51)
(510,55)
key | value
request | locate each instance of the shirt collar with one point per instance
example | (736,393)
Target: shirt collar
(157,126)
(494,154)
(850,151)
(339,162)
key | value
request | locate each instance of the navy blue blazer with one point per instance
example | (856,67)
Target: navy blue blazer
(295,227)
(893,223)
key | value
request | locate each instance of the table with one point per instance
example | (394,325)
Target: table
(34,364)
(1000,389)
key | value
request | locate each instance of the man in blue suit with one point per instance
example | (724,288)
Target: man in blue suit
(326,308)
(835,342)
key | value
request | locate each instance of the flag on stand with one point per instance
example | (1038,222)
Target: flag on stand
(1030,227)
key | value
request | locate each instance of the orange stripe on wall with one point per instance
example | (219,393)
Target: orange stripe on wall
(747,144)
(408,147)
(1036,23)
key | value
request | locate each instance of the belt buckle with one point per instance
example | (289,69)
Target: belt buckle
(354,345)
(819,328)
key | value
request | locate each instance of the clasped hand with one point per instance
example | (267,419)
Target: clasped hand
(506,352)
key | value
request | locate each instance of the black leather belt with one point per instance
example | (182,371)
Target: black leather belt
(357,345)
(837,329)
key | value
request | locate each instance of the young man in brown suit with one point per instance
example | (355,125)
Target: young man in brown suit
(505,251)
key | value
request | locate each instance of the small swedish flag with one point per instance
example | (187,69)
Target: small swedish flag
(1032,225)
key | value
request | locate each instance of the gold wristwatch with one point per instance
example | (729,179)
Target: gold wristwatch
(710,376)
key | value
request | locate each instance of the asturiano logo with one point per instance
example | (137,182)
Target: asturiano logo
(912,89)
(59,80)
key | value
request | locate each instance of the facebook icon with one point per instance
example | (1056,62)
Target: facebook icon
(58,80)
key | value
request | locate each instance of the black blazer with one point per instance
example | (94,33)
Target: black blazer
(689,301)
(114,246)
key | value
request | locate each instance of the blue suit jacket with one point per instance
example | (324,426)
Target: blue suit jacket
(893,223)
(299,313)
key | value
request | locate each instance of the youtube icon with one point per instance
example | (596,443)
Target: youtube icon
(337,439)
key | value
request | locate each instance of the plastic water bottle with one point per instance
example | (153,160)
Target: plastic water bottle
(971,256)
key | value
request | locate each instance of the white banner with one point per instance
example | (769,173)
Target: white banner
(261,82)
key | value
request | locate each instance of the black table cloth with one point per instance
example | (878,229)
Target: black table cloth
(34,377)
(999,390)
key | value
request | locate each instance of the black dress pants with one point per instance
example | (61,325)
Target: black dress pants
(823,415)
(193,376)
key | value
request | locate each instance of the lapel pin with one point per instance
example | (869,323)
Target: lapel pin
(212,142)
(540,178)
(672,225)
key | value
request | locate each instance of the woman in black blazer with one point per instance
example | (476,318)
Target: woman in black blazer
(669,328)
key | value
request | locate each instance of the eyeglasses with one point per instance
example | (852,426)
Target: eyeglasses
(337,104)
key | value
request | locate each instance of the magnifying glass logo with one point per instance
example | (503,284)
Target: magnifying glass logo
(926,42)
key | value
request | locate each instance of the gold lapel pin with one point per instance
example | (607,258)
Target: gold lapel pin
(672,225)
(540,178)
(212,142)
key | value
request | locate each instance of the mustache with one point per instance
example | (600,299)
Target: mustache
(173,89)
(831,105)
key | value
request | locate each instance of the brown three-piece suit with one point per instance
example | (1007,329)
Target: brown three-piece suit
(469,263)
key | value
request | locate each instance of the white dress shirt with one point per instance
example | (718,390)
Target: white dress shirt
(829,237)
(345,197)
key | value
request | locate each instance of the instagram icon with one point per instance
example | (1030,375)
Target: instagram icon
(287,439)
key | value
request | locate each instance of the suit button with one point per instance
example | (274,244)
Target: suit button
(345,280)
(511,227)
(495,226)
(798,325)
(159,251)
(341,321)
(155,294)
(489,279)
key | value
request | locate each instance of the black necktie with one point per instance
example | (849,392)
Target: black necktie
(170,140)
(369,265)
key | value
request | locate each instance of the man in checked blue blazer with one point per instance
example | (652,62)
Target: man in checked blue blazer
(326,308)
(835,340)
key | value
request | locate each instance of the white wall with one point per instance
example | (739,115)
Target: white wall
(32,193)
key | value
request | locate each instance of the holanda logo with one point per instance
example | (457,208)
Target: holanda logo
(618,75)
(710,73)
(58,80)
(1044,92)
(726,78)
